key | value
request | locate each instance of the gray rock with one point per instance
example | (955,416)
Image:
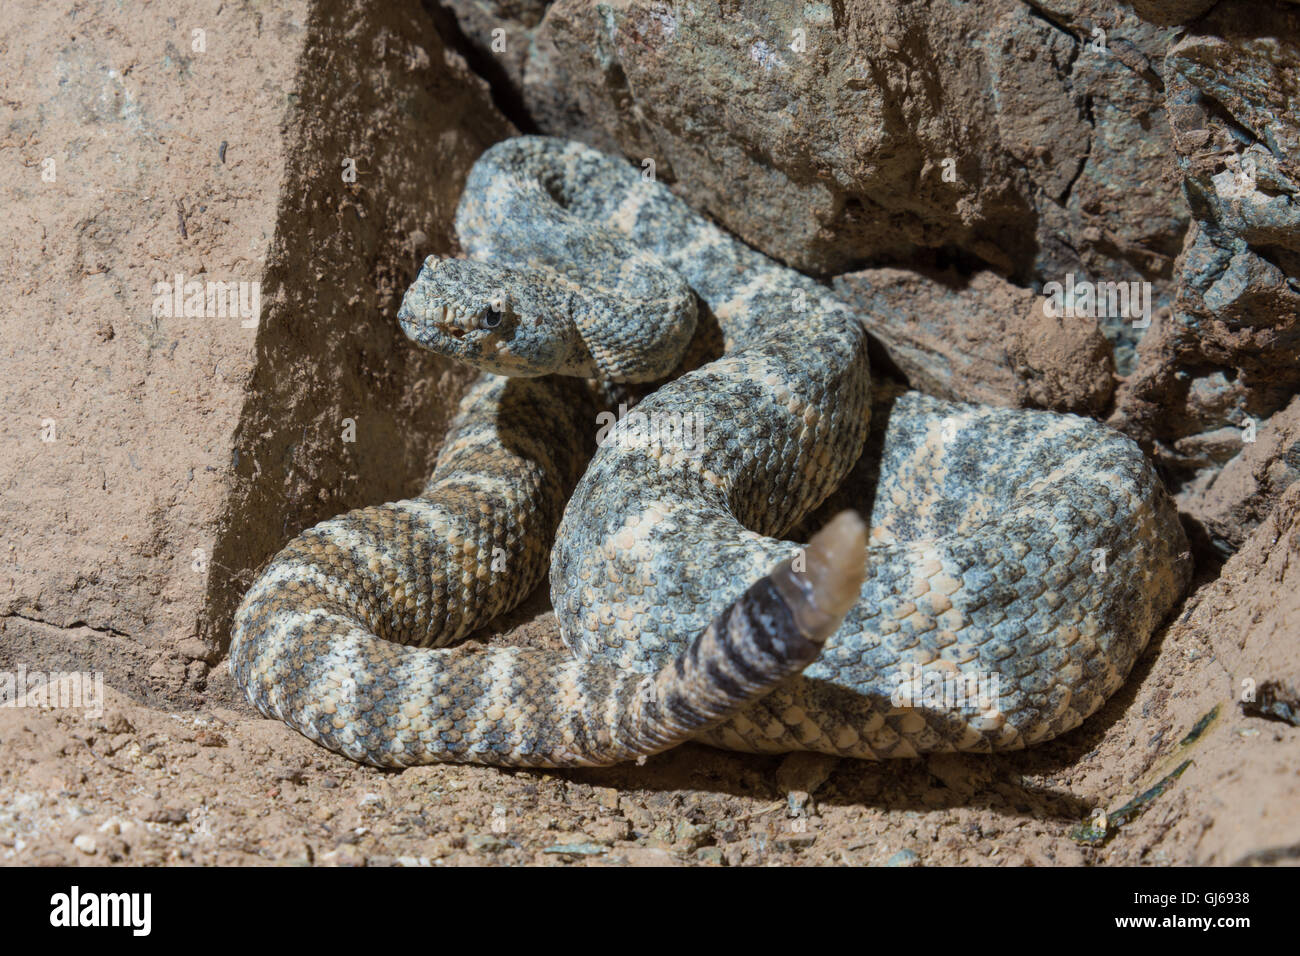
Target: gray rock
(1231,351)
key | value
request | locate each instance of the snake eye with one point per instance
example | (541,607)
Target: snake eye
(489,319)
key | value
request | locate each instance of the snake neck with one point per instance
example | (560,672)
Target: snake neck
(638,334)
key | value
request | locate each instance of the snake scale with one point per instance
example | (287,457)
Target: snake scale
(1029,552)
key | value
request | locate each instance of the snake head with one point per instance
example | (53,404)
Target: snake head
(497,319)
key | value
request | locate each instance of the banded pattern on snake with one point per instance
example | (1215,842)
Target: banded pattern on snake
(1034,552)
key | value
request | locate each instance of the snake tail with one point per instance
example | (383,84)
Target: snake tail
(772,631)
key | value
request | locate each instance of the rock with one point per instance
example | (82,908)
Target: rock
(691,835)
(710,856)
(345,854)
(1249,612)
(904,858)
(1061,363)
(1230,351)
(945,334)
(796,840)
(982,340)
(1124,217)
(115,722)
(500,32)
(802,131)
(1226,506)
(610,831)
(648,856)
(182,452)
(86,844)
(805,772)
(195,650)
(166,815)
(576,849)
(487,843)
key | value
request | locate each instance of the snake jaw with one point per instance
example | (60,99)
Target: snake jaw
(444,329)
(454,322)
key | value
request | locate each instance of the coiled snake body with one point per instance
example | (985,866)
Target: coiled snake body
(1028,554)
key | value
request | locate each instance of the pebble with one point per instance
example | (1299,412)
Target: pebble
(86,844)
(115,722)
(710,855)
(648,856)
(578,849)
(167,815)
(486,843)
(693,835)
(610,831)
(805,771)
(797,841)
(904,858)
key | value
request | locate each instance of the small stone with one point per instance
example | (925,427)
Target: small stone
(710,855)
(346,854)
(577,849)
(486,843)
(167,815)
(610,831)
(805,772)
(115,722)
(692,835)
(194,649)
(904,858)
(86,844)
(648,856)
(797,840)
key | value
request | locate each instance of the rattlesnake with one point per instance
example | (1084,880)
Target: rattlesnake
(1028,552)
